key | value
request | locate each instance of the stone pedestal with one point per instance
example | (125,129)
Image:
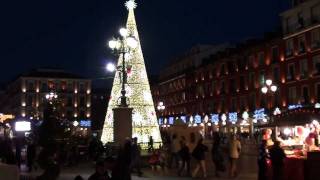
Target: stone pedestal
(122,125)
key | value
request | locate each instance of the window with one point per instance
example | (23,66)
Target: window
(274,54)
(301,44)
(316,65)
(223,105)
(289,25)
(290,72)
(30,86)
(303,68)
(213,87)
(183,96)
(300,20)
(305,95)
(252,101)
(69,101)
(251,80)
(81,87)
(276,74)
(70,87)
(262,78)
(315,13)
(222,70)
(44,87)
(29,100)
(292,95)
(243,103)
(261,59)
(315,38)
(251,61)
(318,93)
(233,104)
(200,90)
(231,68)
(289,47)
(242,83)
(82,101)
(232,86)
(222,88)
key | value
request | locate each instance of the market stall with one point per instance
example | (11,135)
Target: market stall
(298,134)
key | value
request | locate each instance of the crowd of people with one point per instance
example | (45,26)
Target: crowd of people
(274,155)
(185,156)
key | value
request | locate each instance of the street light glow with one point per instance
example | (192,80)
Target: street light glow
(273,88)
(268,82)
(112,44)
(123,32)
(264,90)
(110,67)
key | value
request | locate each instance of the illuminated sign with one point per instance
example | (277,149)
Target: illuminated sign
(183,119)
(160,121)
(294,106)
(215,118)
(171,119)
(233,117)
(22,126)
(197,119)
(259,114)
(85,123)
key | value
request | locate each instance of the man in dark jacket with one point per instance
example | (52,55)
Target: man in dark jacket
(277,157)
(185,158)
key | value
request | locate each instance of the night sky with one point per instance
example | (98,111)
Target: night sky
(72,34)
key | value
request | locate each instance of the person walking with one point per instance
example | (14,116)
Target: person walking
(199,154)
(262,160)
(174,151)
(277,157)
(217,156)
(121,168)
(234,153)
(136,156)
(150,144)
(31,155)
(184,157)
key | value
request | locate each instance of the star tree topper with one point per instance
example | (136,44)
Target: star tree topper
(131,4)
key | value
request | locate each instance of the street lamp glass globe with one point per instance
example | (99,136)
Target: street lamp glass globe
(264,90)
(123,32)
(274,88)
(132,42)
(160,103)
(110,67)
(112,44)
(268,82)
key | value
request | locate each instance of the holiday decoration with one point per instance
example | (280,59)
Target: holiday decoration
(144,120)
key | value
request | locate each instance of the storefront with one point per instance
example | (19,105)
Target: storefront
(298,133)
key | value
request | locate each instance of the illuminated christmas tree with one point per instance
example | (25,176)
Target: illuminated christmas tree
(144,120)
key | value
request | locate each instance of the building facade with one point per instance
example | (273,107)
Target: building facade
(231,80)
(25,96)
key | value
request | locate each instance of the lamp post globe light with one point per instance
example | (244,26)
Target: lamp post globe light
(269,87)
(161,106)
(122,46)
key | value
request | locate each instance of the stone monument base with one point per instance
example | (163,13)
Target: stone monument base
(122,125)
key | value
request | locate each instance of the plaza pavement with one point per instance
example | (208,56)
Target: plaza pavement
(247,166)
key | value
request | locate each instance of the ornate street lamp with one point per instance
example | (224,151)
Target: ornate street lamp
(269,88)
(122,46)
